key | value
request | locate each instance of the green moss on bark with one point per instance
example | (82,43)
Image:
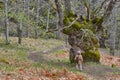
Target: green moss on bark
(91,55)
(87,29)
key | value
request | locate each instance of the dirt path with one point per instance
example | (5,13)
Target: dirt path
(97,71)
(101,72)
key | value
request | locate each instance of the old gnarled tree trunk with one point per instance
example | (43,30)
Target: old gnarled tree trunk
(82,30)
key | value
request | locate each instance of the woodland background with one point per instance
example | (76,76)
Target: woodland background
(33,30)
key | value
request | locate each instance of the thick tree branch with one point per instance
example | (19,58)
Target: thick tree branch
(97,10)
(88,8)
(65,26)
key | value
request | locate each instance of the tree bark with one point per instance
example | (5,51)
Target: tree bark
(37,19)
(48,15)
(67,7)
(81,34)
(60,12)
(6,23)
(113,30)
(60,17)
(28,9)
(19,30)
(108,10)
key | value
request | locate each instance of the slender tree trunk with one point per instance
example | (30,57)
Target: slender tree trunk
(113,32)
(6,23)
(108,11)
(60,12)
(20,31)
(37,19)
(20,24)
(57,26)
(60,16)
(48,15)
(27,28)
(24,4)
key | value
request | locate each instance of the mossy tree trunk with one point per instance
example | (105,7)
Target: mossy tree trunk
(87,44)
(82,30)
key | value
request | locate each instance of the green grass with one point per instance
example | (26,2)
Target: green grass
(7,68)
(115,73)
(58,52)
(22,54)
(98,64)
(15,55)
(58,63)
(37,64)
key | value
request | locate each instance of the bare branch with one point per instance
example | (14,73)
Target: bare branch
(97,10)
(65,26)
(87,7)
(109,10)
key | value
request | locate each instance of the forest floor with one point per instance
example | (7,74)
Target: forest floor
(109,69)
(43,59)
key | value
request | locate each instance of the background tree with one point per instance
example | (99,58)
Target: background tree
(77,19)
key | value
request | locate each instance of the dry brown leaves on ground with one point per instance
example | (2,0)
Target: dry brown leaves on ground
(39,74)
(110,60)
(113,77)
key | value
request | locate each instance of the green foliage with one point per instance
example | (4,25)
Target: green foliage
(13,32)
(47,35)
(1,5)
(87,32)
(71,14)
(59,52)
(72,29)
(85,24)
(69,30)
(95,42)
(21,53)
(2,30)
(78,25)
(97,20)
(86,3)
(66,20)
